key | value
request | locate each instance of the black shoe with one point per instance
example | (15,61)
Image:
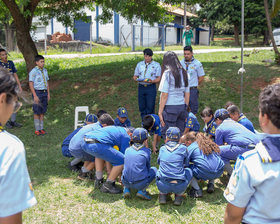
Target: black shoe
(75,168)
(178,199)
(98,183)
(108,187)
(210,188)
(15,124)
(195,193)
(162,199)
(9,125)
(85,176)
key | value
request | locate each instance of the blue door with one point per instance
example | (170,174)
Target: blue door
(82,30)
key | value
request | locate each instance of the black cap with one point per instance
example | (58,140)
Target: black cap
(148,51)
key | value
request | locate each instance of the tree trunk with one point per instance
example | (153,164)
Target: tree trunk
(277,53)
(212,32)
(236,35)
(265,37)
(9,37)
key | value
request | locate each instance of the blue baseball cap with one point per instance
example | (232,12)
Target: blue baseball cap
(122,112)
(92,118)
(220,112)
(173,133)
(139,135)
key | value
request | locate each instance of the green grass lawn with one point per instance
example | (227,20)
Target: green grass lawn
(106,83)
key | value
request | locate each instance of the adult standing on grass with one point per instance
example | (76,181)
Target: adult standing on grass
(4,62)
(174,98)
(196,76)
(147,74)
(188,35)
(16,192)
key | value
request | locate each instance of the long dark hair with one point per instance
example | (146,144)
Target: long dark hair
(8,83)
(171,62)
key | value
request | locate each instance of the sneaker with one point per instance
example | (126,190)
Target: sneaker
(38,133)
(178,199)
(195,193)
(144,195)
(43,132)
(109,187)
(85,176)
(98,183)
(210,188)
(76,167)
(162,199)
(126,193)
(15,124)
(9,125)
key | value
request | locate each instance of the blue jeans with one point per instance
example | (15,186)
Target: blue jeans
(194,100)
(146,99)
(142,184)
(179,188)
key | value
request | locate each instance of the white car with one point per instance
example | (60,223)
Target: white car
(276,35)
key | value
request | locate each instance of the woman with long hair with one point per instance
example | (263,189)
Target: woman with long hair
(175,93)
(15,188)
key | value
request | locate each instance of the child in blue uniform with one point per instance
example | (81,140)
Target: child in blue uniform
(206,163)
(235,115)
(109,144)
(73,165)
(192,123)
(232,137)
(38,84)
(122,118)
(207,115)
(137,172)
(151,123)
(172,176)
(252,192)
(8,64)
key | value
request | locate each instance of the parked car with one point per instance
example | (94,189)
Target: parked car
(276,35)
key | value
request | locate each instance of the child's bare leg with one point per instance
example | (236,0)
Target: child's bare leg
(108,168)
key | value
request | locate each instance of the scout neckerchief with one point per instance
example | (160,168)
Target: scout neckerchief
(42,70)
(137,146)
(146,68)
(209,125)
(241,117)
(171,145)
(5,65)
(268,149)
(1,127)
(188,63)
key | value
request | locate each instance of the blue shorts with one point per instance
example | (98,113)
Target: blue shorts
(65,151)
(202,174)
(105,152)
(42,106)
(179,188)
(142,184)
(82,155)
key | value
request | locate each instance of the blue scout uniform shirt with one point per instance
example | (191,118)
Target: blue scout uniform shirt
(136,163)
(192,122)
(175,95)
(147,71)
(233,133)
(172,163)
(15,186)
(156,125)
(211,163)
(66,142)
(39,78)
(111,135)
(9,65)
(210,127)
(78,138)
(246,122)
(125,124)
(255,181)
(194,69)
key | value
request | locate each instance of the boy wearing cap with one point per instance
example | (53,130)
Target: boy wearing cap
(235,115)
(137,172)
(252,193)
(232,138)
(73,165)
(151,123)
(147,74)
(38,84)
(192,123)
(172,177)
(122,118)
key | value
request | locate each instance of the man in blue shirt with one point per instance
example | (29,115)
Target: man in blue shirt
(196,76)
(108,144)
(147,74)
(235,115)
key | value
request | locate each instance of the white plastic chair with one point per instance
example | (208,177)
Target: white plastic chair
(80,109)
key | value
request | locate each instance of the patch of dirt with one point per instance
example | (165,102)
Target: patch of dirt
(275,80)
(259,83)
(55,83)
(226,38)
